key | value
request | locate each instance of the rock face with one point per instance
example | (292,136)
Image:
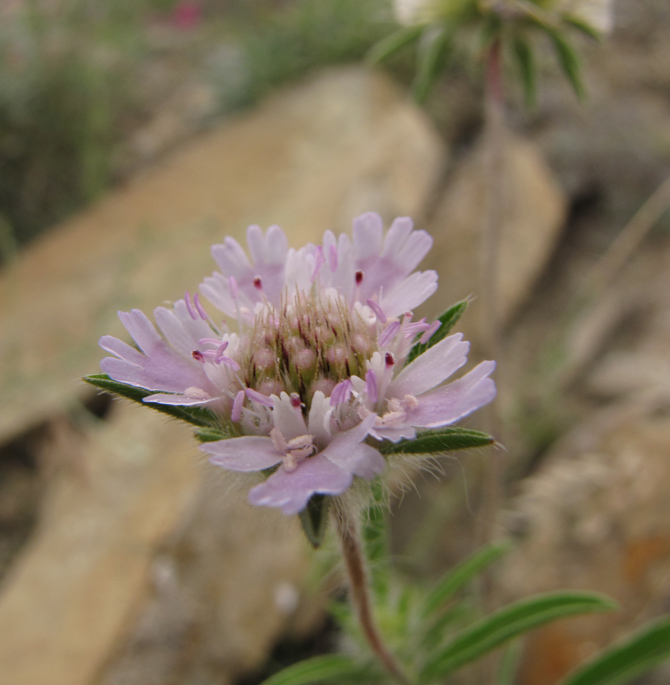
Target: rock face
(533,215)
(134,558)
(309,160)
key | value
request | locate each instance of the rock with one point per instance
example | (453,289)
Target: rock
(310,159)
(137,573)
(534,211)
(596,517)
(70,595)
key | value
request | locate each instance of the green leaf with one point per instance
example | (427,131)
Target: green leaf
(375,536)
(569,62)
(391,44)
(508,623)
(211,435)
(439,440)
(637,654)
(314,519)
(509,664)
(461,575)
(195,415)
(431,57)
(527,68)
(582,26)
(320,669)
(448,321)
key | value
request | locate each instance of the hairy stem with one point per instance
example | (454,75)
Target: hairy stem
(348,530)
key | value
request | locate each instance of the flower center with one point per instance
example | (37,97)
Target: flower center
(308,343)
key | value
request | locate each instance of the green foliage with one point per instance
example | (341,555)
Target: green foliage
(197,416)
(525,59)
(314,519)
(431,57)
(638,654)
(439,441)
(447,321)
(332,668)
(506,624)
(64,82)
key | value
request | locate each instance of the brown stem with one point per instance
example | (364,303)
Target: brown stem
(349,532)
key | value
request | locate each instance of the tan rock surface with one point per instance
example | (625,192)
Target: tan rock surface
(534,211)
(310,159)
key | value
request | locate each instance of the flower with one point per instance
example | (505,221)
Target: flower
(315,377)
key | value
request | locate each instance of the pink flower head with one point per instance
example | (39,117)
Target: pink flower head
(314,378)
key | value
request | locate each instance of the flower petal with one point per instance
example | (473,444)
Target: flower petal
(291,491)
(245,454)
(445,405)
(431,368)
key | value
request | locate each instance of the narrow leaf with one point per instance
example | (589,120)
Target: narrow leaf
(314,519)
(644,650)
(320,669)
(509,664)
(508,623)
(375,535)
(391,44)
(456,579)
(431,56)
(210,435)
(583,26)
(527,68)
(440,440)
(447,322)
(198,416)
(569,62)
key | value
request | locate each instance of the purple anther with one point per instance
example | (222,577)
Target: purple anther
(377,310)
(390,360)
(320,260)
(258,283)
(371,385)
(359,277)
(199,308)
(198,355)
(236,413)
(189,307)
(389,333)
(234,290)
(341,392)
(332,258)
(411,329)
(258,397)
(429,332)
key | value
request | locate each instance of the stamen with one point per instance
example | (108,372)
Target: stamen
(377,310)
(389,333)
(390,360)
(295,400)
(236,413)
(341,392)
(371,386)
(359,277)
(189,307)
(430,331)
(258,283)
(258,397)
(199,307)
(198,355)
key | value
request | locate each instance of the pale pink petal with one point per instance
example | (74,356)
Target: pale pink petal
(232,259)
(121,349)
(361,459)
(404,246)
(180,330)
(182,400)
(393,433)
(446,405)
(287,418)
(409,293)
(291,491)
(245,454)
(319,418)
(368,232)
(431,368)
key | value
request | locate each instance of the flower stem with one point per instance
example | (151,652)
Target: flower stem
(348,529)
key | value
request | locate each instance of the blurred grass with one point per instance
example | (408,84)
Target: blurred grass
(71,88)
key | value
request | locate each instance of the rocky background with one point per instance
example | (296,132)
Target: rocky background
(125,559)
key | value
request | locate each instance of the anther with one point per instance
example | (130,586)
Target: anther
(198,356)
(359,277)
(390,360)
(258,283)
